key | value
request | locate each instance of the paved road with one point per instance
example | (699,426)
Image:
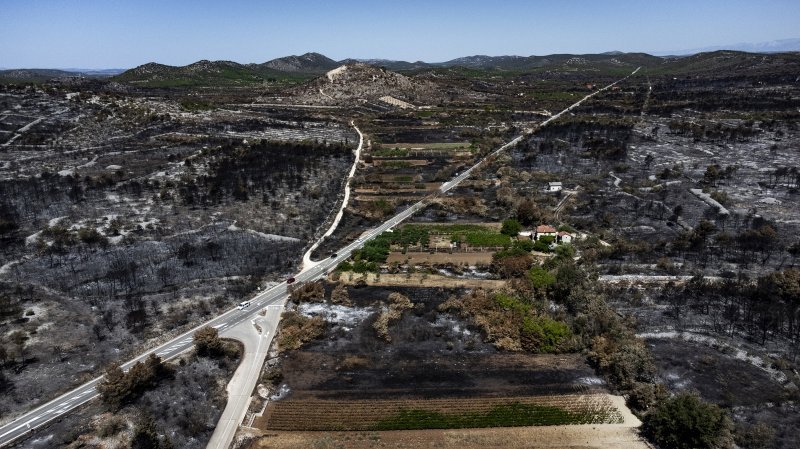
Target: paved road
(256,341)
(276,295)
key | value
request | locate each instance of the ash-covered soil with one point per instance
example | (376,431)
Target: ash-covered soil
(720,377)
(753,395)
(431,355)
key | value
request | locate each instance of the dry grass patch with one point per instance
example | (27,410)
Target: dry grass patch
(296,330)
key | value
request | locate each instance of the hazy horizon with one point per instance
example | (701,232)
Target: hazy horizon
(103,35)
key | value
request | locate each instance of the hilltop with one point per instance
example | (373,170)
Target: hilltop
(314,63)
(363,82)
(732,62)
(34,74)
(199,73)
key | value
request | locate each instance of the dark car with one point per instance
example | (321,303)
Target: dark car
(333,256)
(290,280)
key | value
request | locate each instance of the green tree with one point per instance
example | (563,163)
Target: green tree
(685,421)
(528,213)
(511,227)
(119,388)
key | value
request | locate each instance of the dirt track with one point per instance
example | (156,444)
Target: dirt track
(474,258)
(420,280)
(580,436)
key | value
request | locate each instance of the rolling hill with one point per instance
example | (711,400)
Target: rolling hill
(360,82)
(313,63)
(296,69)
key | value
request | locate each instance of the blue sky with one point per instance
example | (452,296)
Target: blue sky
(121,34)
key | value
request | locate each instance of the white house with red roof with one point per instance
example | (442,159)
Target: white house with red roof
(544,231)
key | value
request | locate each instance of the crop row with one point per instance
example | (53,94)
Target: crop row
(441,413)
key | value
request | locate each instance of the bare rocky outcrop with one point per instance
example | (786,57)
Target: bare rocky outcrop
(358,82)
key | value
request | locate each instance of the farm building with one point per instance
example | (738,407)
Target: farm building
(544,231)
(554,186)
(564,237)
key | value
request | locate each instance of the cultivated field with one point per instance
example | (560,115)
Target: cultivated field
(451,413)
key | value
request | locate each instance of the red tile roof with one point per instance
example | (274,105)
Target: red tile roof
(542,229)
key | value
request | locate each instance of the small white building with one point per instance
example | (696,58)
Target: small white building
(564,237)
(554,186)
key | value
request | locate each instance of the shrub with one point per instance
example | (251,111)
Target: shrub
(510,302)
(685,421)
(524,245)
(542,334)
(145,435)
(625,362)
(340,295)
(644,395)
(309,292)
(512,266)
(540,278)
(565,251)
(111,425)
(754,436)
(398,304)
(273,376)
(542,245)
(296,330)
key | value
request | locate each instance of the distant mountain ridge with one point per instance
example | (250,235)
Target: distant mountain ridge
(48,74)
(514,62)
(315,64)
(776,46)
(309,65)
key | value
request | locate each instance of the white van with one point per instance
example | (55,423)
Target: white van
(243,305)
